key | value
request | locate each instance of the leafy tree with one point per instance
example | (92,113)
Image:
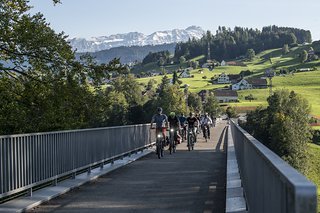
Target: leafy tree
(250,54)
(212,106)
(231,112)
(249,97)
(194,102)
(304,56)
(130,88)
(172,99)
(283,126)
(293,38)
(285,49)
(174,77)
(182,60)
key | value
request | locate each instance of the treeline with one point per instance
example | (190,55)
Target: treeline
(129,54)
(230,44)
(161,57)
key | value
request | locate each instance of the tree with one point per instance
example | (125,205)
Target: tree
(249,97)
(212,106)
(194,102)
(250,54)
(174,77)
(231,112)
(172,100)
(304,56)
(182,60)
(285,49)
(283,126)
(293,38)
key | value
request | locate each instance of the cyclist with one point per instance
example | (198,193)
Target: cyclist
(183,123)
(193,123)
(175,124)
(205,123)
(161,121)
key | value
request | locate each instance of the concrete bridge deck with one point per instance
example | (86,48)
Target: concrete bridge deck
(183,182)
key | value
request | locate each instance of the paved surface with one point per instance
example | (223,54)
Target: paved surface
(183,182)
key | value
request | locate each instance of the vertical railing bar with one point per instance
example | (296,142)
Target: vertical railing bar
(1,166)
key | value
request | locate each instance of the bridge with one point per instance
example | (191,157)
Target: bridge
(115,170)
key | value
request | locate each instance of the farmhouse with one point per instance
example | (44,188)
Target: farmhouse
(223,79)
(226,96)
(241,85)
(234,78)
(253,83)
(258,83)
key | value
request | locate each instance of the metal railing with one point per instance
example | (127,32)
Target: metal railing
(270,184)
(29,160)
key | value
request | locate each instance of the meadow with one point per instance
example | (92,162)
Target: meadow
(306,84)
(314,167)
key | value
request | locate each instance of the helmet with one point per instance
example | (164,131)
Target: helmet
(172,114)
(206,114)
(159,109)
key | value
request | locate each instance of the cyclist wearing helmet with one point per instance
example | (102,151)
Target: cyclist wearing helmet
(205,123)
(193,123)
(161,121)
(174,123)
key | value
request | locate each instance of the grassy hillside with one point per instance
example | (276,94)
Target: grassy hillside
(305,83)
(314,167)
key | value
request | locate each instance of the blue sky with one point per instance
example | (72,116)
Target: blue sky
(90,18)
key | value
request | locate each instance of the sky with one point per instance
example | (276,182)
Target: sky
(92,18)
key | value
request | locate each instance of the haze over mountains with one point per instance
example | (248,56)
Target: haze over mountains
(95,44)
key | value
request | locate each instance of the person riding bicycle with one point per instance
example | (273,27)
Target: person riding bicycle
(175,124)
(183,123)
(193,123)
(161,121)
(205,123)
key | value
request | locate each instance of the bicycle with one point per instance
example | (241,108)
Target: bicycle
(206,132)
(172,145)
(191,139)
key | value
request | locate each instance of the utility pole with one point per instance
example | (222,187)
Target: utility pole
(209,58)
(269,74)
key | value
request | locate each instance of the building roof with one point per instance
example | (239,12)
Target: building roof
(228,93)
(234,76)
(257,81)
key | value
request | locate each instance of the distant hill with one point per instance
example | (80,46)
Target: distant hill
(129,54)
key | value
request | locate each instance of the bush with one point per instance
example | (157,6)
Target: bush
(231,112)
(316,137)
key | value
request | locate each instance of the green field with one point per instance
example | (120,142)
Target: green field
(314,167)
(305,83)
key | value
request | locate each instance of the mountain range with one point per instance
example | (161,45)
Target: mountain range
(95,44)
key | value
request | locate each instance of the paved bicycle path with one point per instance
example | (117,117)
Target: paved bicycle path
(183,182)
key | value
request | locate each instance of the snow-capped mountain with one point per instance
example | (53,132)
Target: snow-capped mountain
(135,39)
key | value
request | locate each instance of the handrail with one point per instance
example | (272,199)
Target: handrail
(270,184)
(29,160)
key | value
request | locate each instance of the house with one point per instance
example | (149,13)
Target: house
(234,78)
(223,63)
(184,74)
(258,83)
(252,83)
(226,96)
(243,84)
(223,79)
